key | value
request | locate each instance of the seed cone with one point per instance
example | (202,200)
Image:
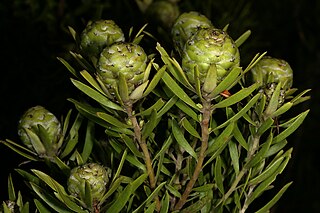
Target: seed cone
(163,12)
(272,70)
(96,175)
(30,120)
(186,25)
(208,47)
(99,34)
(126,58)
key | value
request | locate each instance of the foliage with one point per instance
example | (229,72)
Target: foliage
(172,144)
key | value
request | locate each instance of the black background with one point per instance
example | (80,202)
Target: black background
(32,37)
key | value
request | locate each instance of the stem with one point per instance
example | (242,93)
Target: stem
(145,150)
(206,112)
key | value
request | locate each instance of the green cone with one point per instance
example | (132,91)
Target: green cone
(186,25)
(29,132)
(272,70)
(163,13)
(127,59)
(96,175)
(209,47)
(99,34)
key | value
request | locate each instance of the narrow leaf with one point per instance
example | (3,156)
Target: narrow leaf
(11,192)
(178,135)
(112,120)
(131,145)
(233,151)
(155,80)
(288,131)
(96,95)
(218,175)
(243,38)
(211,79)
(226,82)
(274,200)
(88,142)
(126,193)
(150,125)
(235,98)
(178,91)
(41,208)
(240,113)
(274,101)
(188,126)
(221,139)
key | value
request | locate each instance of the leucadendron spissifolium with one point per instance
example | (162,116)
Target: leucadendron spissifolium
(183,129)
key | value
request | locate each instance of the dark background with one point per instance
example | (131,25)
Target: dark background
(33,33)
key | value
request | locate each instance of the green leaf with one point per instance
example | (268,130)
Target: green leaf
(91,81)
(233,151)
(41,208)
(261,153)
(284,108)
(165,203)
(239,137)
(197,81)
(11,192)
(36,142)
(137,93)
(265,126)
(217,142)
(218,177)
(235,98)
(243,38)
(112,188)
(178,135)
(187,110)
(155,80)
(266,183)
(274,200)
(240,113)
(274,101)
(226,82)
(150,197)
(62,165)
(21,150)
(210,81)
(188,126)
(275,148)
(293,127)
(173,191)
(174,67)
(87,198)
(149,126)
(28,177)
(126,193)
(156,106)
(299,96)
(259,109)
(49,181)
(132,159)
(271,168)
(112,120)
(72,138)
(131,145)
(68,66)
(83,62)
(204,188)
(50,200)
(88,142)
(120,166)
(167,106)
(178,91)
(253,62)
(164,147)
(97,96)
